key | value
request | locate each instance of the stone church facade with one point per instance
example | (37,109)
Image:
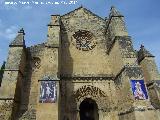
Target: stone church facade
(86,70)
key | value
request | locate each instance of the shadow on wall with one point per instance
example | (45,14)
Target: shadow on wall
(66,59)
(26,86)
(2,71)
(68,102)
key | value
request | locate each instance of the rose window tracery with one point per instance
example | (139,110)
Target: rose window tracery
(83,40)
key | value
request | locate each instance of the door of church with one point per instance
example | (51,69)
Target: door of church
(88,110)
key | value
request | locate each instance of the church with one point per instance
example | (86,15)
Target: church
(87,69)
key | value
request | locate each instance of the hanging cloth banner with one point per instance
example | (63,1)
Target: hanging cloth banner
(139,90)
(48,92)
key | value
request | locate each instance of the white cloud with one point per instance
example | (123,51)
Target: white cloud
(27,7)
(9,33)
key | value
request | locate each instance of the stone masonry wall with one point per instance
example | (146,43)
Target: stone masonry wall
(75,91)
(78,62)
(43,61)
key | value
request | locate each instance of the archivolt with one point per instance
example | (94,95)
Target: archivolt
(89,90)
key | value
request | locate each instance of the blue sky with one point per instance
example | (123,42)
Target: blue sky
(142,20)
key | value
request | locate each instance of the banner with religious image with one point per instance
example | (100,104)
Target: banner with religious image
(48,92)
(139,89)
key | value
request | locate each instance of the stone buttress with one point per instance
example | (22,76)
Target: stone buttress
(11,88)
(126,67)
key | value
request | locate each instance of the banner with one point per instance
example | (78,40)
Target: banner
(48,92)
(139,89)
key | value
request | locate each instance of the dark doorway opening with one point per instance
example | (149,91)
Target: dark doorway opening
(88,110)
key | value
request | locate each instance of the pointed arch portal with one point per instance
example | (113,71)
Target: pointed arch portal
(88,110)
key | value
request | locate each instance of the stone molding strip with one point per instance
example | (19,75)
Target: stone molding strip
(17,46)
(110,18)
(54,46)
(138,108)
(53,25)
(120,72)
(47,80)
(14,70)
(9,99)
(124,68)
(116,38)
(6,99)
(87,78)
(150,84)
